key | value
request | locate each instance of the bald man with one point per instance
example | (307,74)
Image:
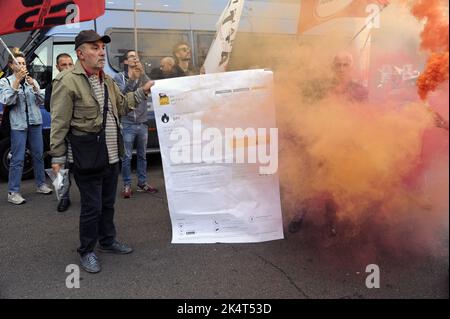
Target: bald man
(166,69)
(343,84)
(340,84)
(166,66)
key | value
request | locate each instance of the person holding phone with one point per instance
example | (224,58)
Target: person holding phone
(134,125)
(22,95)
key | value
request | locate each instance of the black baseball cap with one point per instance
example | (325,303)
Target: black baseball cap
(88,36)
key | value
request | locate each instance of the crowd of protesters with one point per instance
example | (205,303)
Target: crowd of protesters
(90,133)
(95,123)
(22,96)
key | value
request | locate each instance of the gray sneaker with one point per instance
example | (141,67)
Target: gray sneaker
(44,189)
(16,198)
(116,248)
(90,263)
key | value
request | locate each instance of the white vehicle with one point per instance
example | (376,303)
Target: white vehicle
(160,25)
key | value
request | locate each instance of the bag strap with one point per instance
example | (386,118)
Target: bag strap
(105,106)
(26,102)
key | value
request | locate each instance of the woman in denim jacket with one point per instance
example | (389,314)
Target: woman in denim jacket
(22,95)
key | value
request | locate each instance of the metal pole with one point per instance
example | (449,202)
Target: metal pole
(135,29)
(9,51)
(367,24)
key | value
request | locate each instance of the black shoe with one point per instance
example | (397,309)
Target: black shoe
(333,231)
(116,248)
(295,225)
(63,205)
(90,263)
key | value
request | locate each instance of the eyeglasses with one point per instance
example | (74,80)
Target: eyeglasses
(185,49)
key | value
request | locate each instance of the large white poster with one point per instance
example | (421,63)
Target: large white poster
(219,146)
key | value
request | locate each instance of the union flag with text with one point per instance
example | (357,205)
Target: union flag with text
(315,12)
(26,15)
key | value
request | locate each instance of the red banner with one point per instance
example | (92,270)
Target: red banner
(315,12)
(25,15)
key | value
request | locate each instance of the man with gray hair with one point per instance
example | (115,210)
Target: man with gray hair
(85,108)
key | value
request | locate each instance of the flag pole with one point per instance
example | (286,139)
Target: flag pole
(135,28)
(9,51)
(367,24)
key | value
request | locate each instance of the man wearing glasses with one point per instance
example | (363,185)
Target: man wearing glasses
(134,125)
(183,56)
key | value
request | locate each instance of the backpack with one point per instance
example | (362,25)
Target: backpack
(5,126)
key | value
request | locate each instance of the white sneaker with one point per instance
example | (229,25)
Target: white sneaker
(44,189)
(16,198)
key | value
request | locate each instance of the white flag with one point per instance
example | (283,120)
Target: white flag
(227,26)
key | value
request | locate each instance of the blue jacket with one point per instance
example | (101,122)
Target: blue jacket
(140,114)
(15,99)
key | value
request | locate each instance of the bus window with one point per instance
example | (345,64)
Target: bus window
(40,64)
(203,40)
(153,45)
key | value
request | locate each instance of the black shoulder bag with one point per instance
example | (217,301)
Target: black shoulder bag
(90,154)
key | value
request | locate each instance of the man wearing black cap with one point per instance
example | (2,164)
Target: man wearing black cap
(85,109)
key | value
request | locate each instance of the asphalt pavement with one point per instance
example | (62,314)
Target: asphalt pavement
(37,244)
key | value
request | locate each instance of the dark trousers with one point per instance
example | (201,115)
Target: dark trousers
(98,196)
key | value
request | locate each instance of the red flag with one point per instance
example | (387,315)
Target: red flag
(25,15)
(315,12)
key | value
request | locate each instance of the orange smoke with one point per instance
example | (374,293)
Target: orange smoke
(364,161)
(435,33)
(366,158)
(435,73)
(435,40)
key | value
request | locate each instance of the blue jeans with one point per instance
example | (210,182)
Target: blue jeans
(132,132)
(18,145)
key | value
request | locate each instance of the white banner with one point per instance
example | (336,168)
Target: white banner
(219,147)
(227,26)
